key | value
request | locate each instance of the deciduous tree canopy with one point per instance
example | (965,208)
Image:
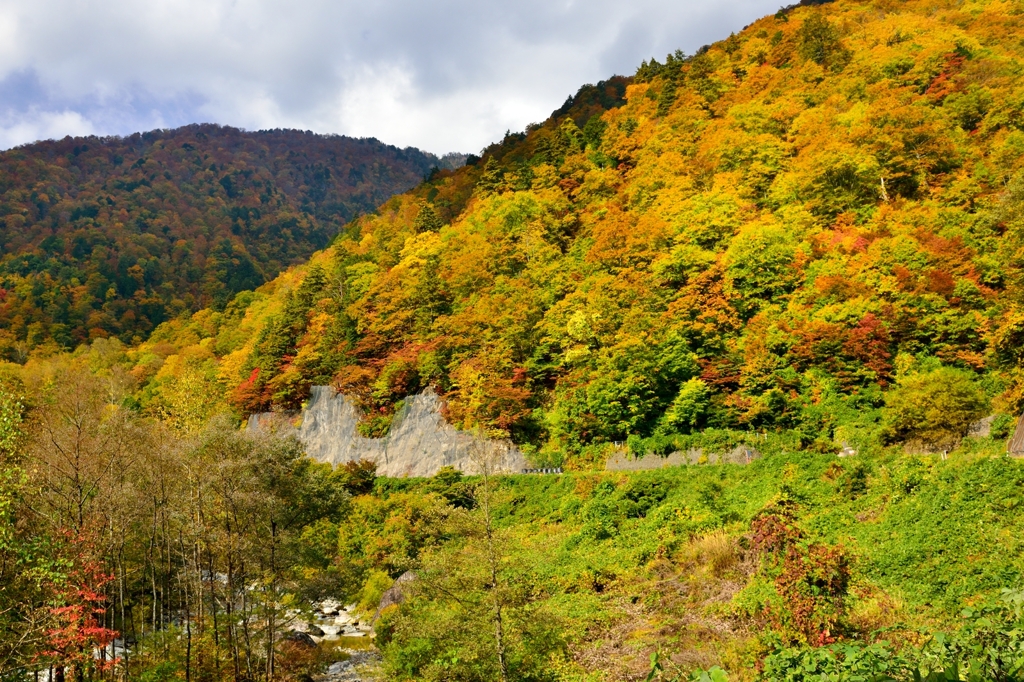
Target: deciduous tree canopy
(753,238)
(112,236)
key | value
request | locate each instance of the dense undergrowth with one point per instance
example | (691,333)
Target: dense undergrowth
(887,552)
(204,551)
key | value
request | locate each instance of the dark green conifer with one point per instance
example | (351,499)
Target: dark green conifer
(493,177)
(427,220)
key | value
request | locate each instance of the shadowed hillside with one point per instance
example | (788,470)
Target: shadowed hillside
(112,236)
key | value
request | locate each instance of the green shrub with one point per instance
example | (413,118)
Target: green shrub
(935,408)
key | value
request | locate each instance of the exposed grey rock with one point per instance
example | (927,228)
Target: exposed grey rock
(362,666)
(329,430)
(982,428)
(329,607)
(741,454)
(622,461)
(339,668)
(396,593)
(300,638)
(314,631)
(419,443)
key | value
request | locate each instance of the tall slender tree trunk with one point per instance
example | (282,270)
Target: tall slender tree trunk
(229,603)
(188,613)
(151,565)
(271,621)
(492,559)
(245,624)
(123,629)
(213,607)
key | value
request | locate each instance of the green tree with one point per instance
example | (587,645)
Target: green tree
(493,177)
(667,97)
(820,43)
(688,408)
(934,408)
(188,400)
(427,220)
(10,422)
(473,615)
(20,624)
(759,262)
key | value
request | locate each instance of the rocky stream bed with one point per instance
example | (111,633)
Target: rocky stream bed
(339,628)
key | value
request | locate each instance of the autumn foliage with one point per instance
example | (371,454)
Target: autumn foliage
(791,217)
(769,234)
(811,579)
(78,613)
(109,237)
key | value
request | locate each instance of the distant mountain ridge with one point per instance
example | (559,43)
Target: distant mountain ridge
(112,236)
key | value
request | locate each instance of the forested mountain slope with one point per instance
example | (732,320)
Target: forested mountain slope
(112,236)
(769,234)
(807,237)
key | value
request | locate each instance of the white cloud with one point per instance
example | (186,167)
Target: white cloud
(35,125)
(443,75)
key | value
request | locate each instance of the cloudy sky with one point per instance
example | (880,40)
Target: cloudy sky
(442,75)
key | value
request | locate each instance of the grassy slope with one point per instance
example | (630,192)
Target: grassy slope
(927,537)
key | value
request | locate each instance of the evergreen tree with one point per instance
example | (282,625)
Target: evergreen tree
(427,220)
(493,177)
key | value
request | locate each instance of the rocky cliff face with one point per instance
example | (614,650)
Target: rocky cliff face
(419,443)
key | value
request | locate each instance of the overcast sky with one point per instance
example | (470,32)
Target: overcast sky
(448,75)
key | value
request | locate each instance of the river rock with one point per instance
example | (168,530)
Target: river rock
(339,668)
(300,638)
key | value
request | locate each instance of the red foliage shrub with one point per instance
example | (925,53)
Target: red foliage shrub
(812,579)
(78,610)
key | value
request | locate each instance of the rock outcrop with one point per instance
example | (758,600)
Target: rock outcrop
(419,442)
(395,594)
(981,428)
(1015,447)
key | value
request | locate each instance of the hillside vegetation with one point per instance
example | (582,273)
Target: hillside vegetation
(112,236)
(207,551)
(769,234)
(807,239)
(797,568)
